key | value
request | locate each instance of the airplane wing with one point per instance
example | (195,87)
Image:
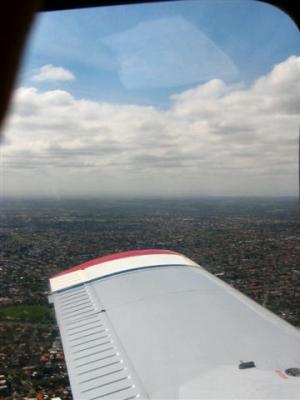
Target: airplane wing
(152,324)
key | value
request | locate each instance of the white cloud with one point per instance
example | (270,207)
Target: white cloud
(50,72)
(214,139)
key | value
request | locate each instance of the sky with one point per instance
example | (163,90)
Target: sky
(190,98)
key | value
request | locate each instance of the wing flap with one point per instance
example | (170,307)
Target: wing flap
(97,364)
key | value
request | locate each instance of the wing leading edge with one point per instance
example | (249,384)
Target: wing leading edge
(153,324)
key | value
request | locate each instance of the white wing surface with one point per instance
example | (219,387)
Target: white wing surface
(152,324)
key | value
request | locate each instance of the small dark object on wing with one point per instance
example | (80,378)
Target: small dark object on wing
(247,364)
(293,371)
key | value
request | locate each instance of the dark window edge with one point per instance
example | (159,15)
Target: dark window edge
(288,7)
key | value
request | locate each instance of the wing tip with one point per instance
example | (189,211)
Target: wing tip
(112,257)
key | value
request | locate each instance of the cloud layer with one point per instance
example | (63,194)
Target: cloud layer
(50,72)
(214,139)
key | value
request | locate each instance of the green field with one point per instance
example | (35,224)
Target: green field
(28,313)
